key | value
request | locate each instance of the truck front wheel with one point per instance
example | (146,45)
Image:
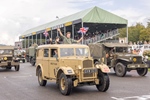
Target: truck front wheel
(120,70)
(103,81)
(142,71)
(65,84)
(17,68)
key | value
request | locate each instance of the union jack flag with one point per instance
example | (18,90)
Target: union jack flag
(46,33)
(83,30)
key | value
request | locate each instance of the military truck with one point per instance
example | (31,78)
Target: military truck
(117,56)
(19,55)
(7,59)
(70,65)
(32,54)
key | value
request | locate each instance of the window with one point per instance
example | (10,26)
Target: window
(66,52)
(6,51)
(121,49)
(82,52)
(46,52)
(54,52)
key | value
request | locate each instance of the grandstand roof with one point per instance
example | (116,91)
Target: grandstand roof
(91,15)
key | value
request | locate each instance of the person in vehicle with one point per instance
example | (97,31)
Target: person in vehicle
(67,39)
(55,53)
(109,56)
(57,40)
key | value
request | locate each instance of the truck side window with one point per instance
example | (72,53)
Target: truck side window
(46,52)
(53,52)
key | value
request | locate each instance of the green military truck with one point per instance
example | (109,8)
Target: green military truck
(32,54)
(116,56)
(7,59)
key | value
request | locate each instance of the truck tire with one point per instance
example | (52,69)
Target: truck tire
(17,68)
(65,84)
(120,70)
(40,80)
(32,62)
(103,81)
(23,61)
(142,71)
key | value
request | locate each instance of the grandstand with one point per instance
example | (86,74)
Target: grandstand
(102,25)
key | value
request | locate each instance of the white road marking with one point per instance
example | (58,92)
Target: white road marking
(143,97)
(17,76)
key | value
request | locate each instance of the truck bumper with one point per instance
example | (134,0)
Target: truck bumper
(137,66)
(5,64)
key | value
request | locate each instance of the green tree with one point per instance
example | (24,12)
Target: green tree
(148,23)
(133,32)
(145,34)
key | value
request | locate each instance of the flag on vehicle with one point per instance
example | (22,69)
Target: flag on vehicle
(83,30)
(46,33)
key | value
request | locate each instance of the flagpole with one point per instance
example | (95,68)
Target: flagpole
(82,32)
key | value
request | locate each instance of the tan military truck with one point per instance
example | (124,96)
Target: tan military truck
(117,56)
(70,65)
(7,59)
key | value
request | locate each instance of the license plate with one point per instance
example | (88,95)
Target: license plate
(90,71)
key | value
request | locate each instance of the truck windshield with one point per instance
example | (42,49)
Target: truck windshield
(66,52)
(82,52)
(122,49)
(17,52)
(6,51)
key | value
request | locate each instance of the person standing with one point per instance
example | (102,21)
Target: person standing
(67,39)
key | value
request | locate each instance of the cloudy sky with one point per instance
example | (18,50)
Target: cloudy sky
(17,16)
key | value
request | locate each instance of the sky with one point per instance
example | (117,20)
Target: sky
(17,16)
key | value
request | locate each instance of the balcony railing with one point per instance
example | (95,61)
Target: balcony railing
(101,37)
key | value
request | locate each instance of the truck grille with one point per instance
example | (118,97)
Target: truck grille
(87,63)
(88,75)
(9,58)
(138,60)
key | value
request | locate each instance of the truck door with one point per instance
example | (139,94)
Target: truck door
(45,62)
(53,63)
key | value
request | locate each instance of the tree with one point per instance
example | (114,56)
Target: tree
(148,23)
(133,32)
(122,32)
(145,34)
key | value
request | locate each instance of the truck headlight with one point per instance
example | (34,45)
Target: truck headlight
(69,71)
(79,67)
(134,59)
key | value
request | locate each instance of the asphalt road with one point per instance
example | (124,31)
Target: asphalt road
(23,85)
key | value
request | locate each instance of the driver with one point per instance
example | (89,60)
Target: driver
(55,53)
(109,56)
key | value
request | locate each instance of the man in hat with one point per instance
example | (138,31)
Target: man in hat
(67,39)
